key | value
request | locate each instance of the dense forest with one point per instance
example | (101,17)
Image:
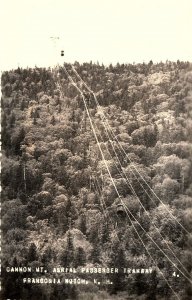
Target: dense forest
(61,205)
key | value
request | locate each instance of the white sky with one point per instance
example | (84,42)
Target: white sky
(98,30)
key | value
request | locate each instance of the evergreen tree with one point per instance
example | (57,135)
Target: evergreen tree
(95,254)
(32,253)
(118,260)
(80,257)
(105,233)
(68,255)
(82,225)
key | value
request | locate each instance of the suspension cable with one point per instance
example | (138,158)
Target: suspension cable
(135,194)
(114,136)
(112,180)
(147,213)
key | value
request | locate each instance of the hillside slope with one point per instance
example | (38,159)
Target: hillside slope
(59,204)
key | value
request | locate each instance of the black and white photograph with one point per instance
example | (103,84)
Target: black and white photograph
(96,150)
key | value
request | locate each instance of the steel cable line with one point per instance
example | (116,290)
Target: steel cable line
(148,215)
(132,165)
(135,194)
(140,201)
(112,180)
(114,136)
(133,191)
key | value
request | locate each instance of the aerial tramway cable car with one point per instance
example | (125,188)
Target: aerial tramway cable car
(120,211)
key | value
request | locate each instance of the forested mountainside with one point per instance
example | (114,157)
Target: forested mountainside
(60,207)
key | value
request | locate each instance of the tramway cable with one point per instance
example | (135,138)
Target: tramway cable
(110,174)
(135,194)
(126,208)
(114,136)
(137,221)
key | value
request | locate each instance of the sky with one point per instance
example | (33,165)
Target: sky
(104,31)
